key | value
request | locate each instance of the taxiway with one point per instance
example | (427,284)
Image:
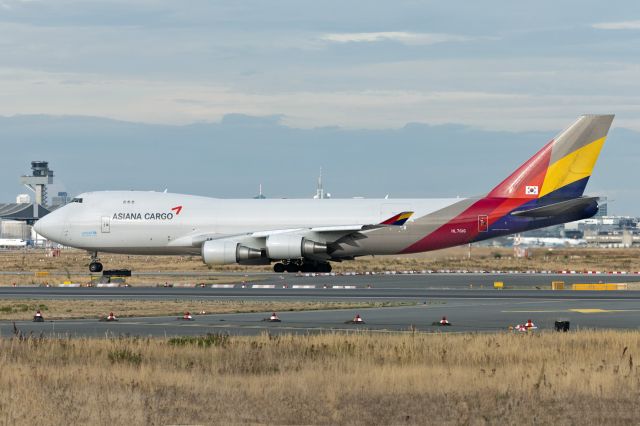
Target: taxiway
(467,300)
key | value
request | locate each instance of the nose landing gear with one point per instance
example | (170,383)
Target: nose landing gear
(95,265)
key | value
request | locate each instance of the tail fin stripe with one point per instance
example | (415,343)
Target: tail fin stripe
(531,173)
(583,131)
(568,158)
(573,167)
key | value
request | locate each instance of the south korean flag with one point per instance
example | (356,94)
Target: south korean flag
(531,190)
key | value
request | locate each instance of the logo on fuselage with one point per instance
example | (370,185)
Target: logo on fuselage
(142,216)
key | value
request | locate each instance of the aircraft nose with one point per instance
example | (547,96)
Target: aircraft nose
(49,227)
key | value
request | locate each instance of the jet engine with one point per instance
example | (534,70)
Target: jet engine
(285,246)
(223,252)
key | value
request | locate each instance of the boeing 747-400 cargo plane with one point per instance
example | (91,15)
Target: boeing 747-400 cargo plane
(305,235)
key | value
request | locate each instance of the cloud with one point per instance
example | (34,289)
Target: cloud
(395,36)
(621,25)
(11,4)
(151,100)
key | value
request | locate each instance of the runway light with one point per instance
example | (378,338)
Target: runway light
(274,318)
(111,317)
(357,320)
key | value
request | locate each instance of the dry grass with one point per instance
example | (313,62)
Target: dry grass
(485,258)
(573,378)
(73,263)
(141,281)
(15,310)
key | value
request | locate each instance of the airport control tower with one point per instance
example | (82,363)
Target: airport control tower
(40,177)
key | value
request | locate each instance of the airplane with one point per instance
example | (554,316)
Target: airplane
(305,235)
(12,242)
(549,242)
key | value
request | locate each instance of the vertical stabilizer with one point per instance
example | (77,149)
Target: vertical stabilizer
(561,169)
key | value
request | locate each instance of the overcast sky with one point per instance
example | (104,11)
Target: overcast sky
(365,66)
(499,65)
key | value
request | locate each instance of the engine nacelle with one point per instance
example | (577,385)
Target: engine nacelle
(285,246)
(223,252)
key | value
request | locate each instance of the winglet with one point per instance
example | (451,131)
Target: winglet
(397,220)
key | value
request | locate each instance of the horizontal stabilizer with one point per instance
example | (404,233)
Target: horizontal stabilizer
(559,209)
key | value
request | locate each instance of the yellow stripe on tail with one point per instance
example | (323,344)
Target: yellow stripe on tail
(573,167)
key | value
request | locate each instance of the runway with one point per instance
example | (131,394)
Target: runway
(375,294)
(350,286)
(468,301)
(400,280)
(466,315)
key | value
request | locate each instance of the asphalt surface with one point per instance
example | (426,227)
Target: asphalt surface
(373,294)
(467,300)
(465,315)
(399,284)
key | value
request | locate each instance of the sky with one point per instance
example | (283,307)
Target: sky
(371,68)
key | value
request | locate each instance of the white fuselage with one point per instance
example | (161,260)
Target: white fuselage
(134,222)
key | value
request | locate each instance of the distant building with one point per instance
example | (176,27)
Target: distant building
(260,195)
(13,229)
(320,194)
(23,199)
(40,177)
(603,209)
(60,200)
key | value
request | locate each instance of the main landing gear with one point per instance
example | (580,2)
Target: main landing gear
(294,266)
(95,265)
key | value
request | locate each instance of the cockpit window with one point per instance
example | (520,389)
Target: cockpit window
(76,200)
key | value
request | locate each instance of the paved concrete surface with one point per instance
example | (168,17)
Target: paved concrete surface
(469,315)
(469,310)
(434,280)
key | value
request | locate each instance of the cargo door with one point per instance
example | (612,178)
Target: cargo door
(483,223)
(106,224)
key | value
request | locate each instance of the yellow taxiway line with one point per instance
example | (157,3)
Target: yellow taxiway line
(578,310)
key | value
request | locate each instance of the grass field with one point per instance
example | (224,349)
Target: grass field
(589,377)
(73,264)
(14,309)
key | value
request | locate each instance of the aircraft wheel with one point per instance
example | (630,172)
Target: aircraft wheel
(278,268)
(293,268)
(95,267)
(307,267)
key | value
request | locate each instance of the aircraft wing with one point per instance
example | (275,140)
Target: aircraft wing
(395,220)
(333,232)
